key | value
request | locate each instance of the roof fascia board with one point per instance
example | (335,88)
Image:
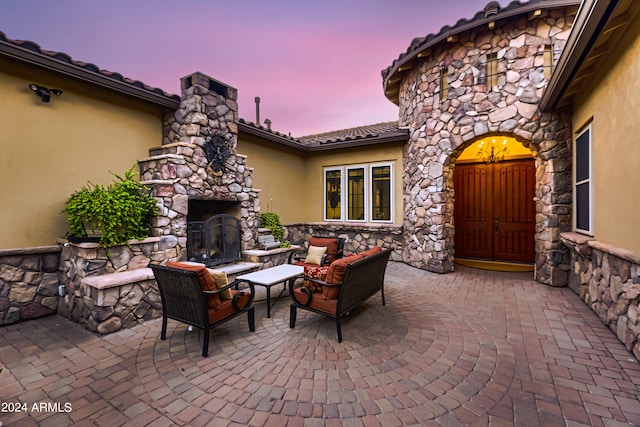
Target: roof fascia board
(70,70)
(587,27)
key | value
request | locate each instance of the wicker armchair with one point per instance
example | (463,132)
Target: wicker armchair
(184,300)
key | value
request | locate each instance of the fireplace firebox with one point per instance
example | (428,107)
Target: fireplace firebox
(214,241)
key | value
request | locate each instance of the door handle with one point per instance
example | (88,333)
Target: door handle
(496,224)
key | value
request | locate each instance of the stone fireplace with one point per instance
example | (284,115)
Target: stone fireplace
(196,173)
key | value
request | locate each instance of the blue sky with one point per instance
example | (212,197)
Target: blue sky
(315,65)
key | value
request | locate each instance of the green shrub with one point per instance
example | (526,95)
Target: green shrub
(120,211)
(271,221)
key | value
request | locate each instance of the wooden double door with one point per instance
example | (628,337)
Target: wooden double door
(494,211)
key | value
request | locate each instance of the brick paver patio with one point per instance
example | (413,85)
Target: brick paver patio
(468,348)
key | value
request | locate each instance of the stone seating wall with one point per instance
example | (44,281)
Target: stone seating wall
(28,283)
(357,237)
(607,279)
(107,289)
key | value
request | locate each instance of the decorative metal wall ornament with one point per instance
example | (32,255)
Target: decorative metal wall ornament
(217,149)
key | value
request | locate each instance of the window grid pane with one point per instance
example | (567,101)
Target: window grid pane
(492,70)
(356,194)
(582,207)
(381,193)
(332,196)
(583,204)
(444,83)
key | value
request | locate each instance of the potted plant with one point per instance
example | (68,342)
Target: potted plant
(120,211)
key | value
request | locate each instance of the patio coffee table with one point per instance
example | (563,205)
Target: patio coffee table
(272,276)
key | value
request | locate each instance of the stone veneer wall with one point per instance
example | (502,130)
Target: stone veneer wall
(28,283)
(357,237)
(123,306)
(178,170)
(441,129)
(608,280)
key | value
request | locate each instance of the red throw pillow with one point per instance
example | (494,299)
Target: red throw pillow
(328,242)
(316,272)
(206,281)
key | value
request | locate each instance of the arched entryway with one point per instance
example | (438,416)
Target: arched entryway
(494,181)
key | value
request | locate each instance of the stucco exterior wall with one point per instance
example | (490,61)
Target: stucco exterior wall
(612,106)
(50,150)
(441,128)
(292,183)
(279,174)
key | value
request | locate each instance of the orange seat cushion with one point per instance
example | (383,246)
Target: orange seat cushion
(317,301)
(226,309)
(206,281)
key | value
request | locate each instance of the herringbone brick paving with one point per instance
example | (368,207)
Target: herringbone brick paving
(469,348)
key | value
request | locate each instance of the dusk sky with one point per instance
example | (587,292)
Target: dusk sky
(315,65)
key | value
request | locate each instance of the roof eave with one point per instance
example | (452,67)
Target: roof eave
(590,20)
(388,137)
(70,70)
(262,133)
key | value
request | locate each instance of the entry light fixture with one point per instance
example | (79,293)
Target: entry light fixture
(492,152)
(43,92)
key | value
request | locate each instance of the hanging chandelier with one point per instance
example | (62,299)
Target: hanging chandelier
(493,152)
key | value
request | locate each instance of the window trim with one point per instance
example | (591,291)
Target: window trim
(587,129)
(324,194)
(493,74)
(444,83)
(368,202)
(365,204)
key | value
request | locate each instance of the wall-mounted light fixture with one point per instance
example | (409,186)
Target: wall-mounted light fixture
(43,92)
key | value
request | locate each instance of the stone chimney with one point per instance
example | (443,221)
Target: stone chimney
(188,166)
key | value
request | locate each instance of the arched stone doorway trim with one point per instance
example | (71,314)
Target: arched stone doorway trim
(429,228)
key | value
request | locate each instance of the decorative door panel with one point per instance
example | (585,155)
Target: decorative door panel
(514,211)
(495,211)
(474,210)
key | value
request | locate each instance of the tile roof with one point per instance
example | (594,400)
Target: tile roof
(361,135)
(351,134)
(61,62)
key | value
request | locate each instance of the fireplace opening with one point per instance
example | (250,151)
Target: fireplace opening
(214,241)
(201,210)
(213,232)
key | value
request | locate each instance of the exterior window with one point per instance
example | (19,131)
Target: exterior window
(381,192)
(492,70)
(444,83)
(359,193)
(547,60)
(333,199)
(356,194)
(583,207)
